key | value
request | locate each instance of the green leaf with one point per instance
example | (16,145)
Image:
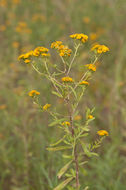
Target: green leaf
(57,94)
(86,150)
(67,156)
(58,148)
(74,92)
(64,169)
(56,122)
(86,188)
(58,142)
(63,184)
(82,163)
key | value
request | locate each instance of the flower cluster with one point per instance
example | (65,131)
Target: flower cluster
(46,107)
(82,37)
(100,48)
(32,93)
(91,67)
(66,123)
(84,82)
(102,133)
(64,51)
(23,28)
(39,51)
(67,79)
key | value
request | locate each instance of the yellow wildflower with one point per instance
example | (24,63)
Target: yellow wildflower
(86,20)
(102,133)
(56,44)
(27,61)
(90,117)
(82,37)
(100,48)
(91,67)
(93,36)
(45,54)
(26,55)
(63,50)
(66,123)
(33,93)
(46,107)
(77,117)
(67,79)
(2,107)
(2,28)
(16,1)
(84,83)
(15,44)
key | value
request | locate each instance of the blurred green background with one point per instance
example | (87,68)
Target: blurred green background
(25,164)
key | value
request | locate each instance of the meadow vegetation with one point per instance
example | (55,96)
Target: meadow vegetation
(27,130)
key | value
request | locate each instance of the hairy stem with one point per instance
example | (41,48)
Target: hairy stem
(75,147)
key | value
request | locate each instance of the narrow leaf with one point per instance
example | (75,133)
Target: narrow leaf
(63,184)
(64,169)
(56,122)
(57,94)
(58,142)
(58,148)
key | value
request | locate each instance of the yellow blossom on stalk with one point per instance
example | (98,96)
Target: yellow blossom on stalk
(56,44)
(63,50)
(46,107)
(67,79)
(77,117)
(91,67)
(90,116)
(93,36)
(2,28)
(3,3)
(15,44)
(100,48)
(82,37)
(45,55)
(66,123)
(86,19)
(16,1)
(27,61)
(84,83)
(33,93)
(3,106)
(102,133)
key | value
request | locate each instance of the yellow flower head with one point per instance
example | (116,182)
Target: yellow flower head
(56,44)
(86,20)
(33,93)
(45,55)
(102,133)
(46,107)
(67,79)
(82,37)
(91,67)
(90,116)
(63,50)
(27,61)
(66,123)
(3,106)
(77,117)
(84,83)
(100,48)
(26,55)
(15,44)
(93,36)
